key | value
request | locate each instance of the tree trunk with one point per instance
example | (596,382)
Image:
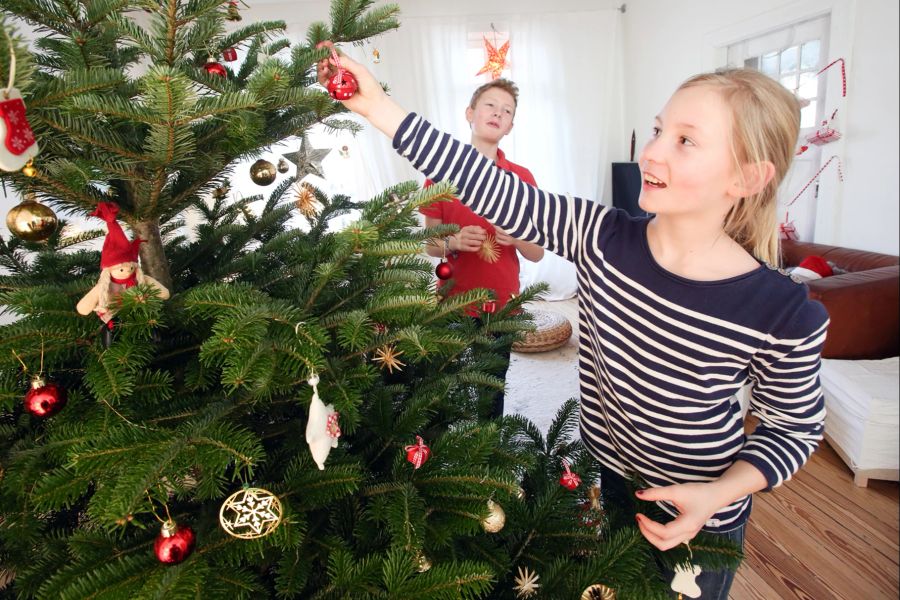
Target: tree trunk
(153,256)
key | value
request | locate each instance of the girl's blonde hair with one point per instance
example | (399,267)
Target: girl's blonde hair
(105,279)
(766,123)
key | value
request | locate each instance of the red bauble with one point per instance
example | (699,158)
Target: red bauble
(570,480)
(214,68)
(174,543)
(443,271)
(229,54)
(44,399)
(418,453)
(343,85)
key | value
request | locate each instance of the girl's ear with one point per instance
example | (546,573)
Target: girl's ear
(753,178)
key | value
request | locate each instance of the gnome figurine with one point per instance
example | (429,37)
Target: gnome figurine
(119,271)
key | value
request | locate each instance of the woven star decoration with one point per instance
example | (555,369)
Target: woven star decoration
(388,357)
(306,201)
(308,159)
(526,583)
(496,61)
(490,250)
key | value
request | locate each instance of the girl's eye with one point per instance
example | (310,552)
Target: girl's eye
(686,141)
(655,132)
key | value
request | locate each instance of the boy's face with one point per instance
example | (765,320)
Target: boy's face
(492,117)
(687,165)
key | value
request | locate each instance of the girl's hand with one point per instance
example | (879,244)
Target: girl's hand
(369,94)
(469,239)
(695,504)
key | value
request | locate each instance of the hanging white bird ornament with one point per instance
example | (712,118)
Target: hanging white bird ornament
(322,430)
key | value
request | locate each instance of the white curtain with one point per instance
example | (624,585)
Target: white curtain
(569,124)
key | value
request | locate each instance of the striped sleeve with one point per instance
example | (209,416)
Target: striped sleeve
(787,398)
(553,221)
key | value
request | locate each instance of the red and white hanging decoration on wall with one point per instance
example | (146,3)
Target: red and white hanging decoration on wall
(786,229)
(826,133)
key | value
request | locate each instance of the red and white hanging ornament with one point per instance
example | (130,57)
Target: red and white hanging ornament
(489,307)
(19,145)
(417,453)
(816,178)
(569,480)
(786,229)
(229,54)
(343,84)
(322,430)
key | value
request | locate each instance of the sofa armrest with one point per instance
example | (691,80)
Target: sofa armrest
(864,308)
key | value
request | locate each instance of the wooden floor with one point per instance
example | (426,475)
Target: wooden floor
(820,537)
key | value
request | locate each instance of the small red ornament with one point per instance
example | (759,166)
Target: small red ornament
(214,68)
(380,328)
(569,480)
(443,271)
(489,307)
(343,85)
(229,54)
(44,399)
(174,543)
(417,453)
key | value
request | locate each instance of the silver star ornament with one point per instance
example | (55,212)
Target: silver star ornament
(308,159)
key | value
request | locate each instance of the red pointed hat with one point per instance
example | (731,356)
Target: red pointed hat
(116,247)
(817,264)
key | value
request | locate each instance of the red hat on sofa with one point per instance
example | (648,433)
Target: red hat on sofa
(116,247)
(818,265)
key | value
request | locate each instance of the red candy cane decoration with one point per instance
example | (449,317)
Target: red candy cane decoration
(843,75)
(816,177)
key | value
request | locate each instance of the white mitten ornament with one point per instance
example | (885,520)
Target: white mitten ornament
(322,431)
(17,143)
(684,581)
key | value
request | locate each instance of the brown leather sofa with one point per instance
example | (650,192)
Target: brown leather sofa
(863,303)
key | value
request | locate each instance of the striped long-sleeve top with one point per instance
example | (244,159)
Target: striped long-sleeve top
(661,357)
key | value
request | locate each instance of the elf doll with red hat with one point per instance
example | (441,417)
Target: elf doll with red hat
(119,271)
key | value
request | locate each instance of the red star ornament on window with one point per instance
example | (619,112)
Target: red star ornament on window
(496,61)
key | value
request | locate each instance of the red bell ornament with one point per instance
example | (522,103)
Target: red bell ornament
(229,54)
(418,453)
(44,399)
(343,85)
(443,271)
(489,307)
(174,543)
(214,68)
(569,480)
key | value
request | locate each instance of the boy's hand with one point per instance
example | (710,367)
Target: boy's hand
(469,239)
(503,238)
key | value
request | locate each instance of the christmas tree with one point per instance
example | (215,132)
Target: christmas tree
(285,412)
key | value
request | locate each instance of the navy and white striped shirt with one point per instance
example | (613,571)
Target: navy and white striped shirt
(660,357)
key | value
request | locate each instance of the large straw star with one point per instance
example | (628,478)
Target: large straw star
(496,61)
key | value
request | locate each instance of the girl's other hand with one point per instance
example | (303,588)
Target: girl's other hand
(695,505)
(503,238)
(469,239)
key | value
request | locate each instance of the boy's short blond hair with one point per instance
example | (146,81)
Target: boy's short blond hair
(504,84)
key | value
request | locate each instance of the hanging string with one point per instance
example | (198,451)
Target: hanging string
(24,366)
(41,370)
(816,176)
(12,65)
(153,510)
(843,74)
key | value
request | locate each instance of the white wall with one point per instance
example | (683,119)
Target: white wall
(666,42)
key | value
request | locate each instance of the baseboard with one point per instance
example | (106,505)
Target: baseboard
(861,477)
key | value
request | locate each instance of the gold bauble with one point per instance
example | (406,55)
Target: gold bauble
(598,591)
(28,170)
(250,513)
(283,166)
(31,221)
(262,172)
(422,563)
(496,518)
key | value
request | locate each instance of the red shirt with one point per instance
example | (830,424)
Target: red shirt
(470,270)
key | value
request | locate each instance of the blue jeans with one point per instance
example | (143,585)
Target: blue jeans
(714,585)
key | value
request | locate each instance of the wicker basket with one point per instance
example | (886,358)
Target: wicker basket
(553,330)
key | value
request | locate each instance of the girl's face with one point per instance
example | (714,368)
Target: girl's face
(687,165)
(492,117)
(123,270)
